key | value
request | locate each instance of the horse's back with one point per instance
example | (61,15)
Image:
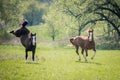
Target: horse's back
(79,40)
(83,42)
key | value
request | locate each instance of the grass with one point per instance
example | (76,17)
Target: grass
(57,63)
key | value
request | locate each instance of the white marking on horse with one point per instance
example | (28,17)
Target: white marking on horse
(85,58)
(90,37)
(33,40)
(93,55)
(79,57)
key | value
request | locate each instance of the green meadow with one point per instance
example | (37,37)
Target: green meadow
(57,63)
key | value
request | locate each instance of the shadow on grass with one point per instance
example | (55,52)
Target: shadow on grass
(89,62)
(31,63)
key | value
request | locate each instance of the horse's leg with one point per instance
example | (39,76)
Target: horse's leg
(82,51)
(77,48)
(94,53)
(33,54)
(85,55)
(26,56)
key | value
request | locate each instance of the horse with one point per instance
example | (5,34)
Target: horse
(27,39)
(86,43)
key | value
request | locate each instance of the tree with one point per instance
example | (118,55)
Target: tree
(9,15)
(76,9)
(89,12)
(33,11)
(106,10)
(9,10)
(58,24)
(50,21)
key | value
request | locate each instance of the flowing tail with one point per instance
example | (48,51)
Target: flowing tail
(71,40)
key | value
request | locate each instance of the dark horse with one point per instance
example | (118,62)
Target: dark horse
(27,39)
(85,43)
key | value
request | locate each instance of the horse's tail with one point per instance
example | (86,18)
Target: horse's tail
(71,40)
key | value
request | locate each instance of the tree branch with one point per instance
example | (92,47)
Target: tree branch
(72,13)
(115,27)
(92,21)
(108,9)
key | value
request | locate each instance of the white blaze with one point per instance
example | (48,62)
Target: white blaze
(33,40)
(90,37)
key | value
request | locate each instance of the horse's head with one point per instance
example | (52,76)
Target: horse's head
(22,30)
(33,37)
(90,31)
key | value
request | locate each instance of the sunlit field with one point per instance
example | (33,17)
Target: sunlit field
(55,63)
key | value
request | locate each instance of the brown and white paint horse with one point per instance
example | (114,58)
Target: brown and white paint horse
(86,43)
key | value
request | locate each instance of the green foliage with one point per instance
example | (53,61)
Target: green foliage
(33,11)
(9,16)
(108,46)
(12,10)
(58,64)
(77,10)
(88,12)
(58,24)
(9,10)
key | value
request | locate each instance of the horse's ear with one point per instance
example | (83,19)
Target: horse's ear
(92,29)
(33,34)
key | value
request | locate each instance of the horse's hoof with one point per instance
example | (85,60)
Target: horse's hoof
(33,62)
(86,61)
(26,61)
(92,58)
(79,59)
